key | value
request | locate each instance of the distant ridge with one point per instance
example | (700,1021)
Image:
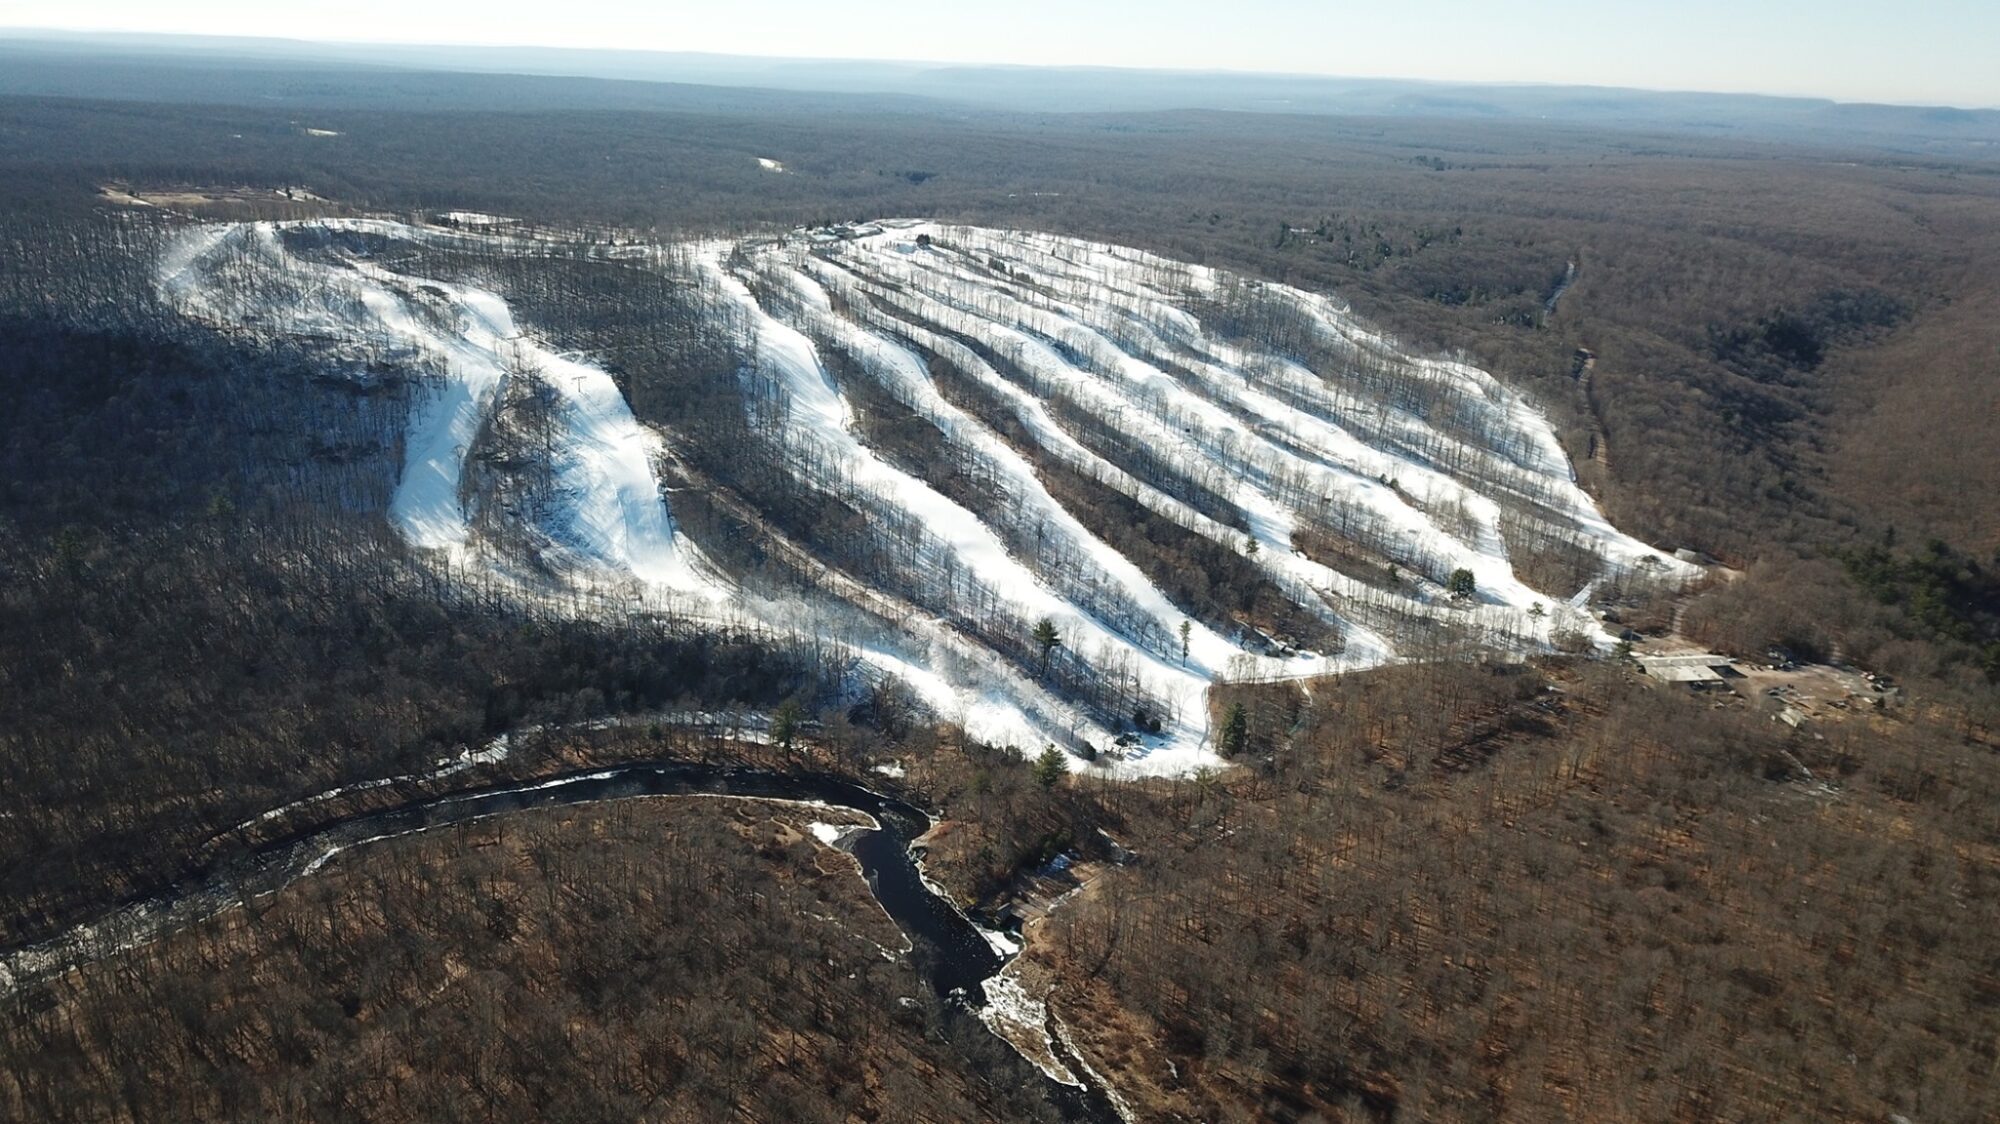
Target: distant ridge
(1928,130)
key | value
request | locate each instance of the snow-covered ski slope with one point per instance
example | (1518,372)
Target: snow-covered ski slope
(609,511)
(1203,410)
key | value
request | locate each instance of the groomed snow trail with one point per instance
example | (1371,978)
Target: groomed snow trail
(1257,419)
(609,511)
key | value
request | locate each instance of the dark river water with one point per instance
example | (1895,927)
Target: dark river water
(950,952)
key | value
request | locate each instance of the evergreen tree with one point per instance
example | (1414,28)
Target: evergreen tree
(1235,730)
(1461,584)
(1051,766)
(1047,639)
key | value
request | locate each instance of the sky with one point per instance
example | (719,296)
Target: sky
(1914,51)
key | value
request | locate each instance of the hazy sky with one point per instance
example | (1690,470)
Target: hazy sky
(1936,51)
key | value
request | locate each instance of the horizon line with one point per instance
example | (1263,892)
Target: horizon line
(29,31)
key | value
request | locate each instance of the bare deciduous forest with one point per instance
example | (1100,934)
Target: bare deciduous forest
(1468,894)
(590,966)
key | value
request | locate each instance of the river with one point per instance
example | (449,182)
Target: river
(951,953)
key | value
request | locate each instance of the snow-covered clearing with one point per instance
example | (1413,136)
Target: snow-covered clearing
(1266,420)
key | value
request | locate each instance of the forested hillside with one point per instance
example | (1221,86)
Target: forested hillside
(353,454)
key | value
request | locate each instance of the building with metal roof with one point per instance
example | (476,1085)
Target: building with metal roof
(1692,668)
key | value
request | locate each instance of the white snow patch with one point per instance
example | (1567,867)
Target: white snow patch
(477,218)
(327,856)
(1003,943)
(1011,1013)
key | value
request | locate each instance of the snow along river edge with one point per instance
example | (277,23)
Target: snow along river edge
(955,955)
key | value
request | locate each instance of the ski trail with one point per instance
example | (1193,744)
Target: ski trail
(610,513)
(1266,420)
